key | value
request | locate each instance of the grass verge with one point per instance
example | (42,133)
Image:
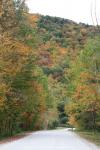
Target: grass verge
(93,137)
(14,137)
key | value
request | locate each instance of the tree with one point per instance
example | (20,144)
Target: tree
(20,9)
(84,106)
(7,15)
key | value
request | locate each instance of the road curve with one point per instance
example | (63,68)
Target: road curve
(50,140)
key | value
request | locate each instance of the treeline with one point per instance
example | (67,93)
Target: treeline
(84,88)
(25,100)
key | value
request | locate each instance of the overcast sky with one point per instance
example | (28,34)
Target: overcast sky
(76,10)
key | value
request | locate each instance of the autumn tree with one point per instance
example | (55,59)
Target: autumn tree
(84,106)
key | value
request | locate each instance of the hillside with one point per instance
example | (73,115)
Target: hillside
(56,41)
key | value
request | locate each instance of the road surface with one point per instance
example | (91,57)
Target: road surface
(50,140)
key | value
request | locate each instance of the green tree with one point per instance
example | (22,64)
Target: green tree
(85,94)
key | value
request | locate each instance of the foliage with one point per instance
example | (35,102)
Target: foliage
(46,79)
(84,106)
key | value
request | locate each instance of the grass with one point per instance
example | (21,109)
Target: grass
(94,137)
(4,139)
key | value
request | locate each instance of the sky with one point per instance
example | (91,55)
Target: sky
(76,10)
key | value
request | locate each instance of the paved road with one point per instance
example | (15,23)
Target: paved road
(50,140)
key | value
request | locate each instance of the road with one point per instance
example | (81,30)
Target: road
(50,140)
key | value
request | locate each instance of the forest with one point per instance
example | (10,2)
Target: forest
(49,72)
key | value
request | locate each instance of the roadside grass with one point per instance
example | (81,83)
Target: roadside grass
(94,137)
(5,139)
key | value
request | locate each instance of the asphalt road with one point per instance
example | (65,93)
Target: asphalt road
(50,140)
